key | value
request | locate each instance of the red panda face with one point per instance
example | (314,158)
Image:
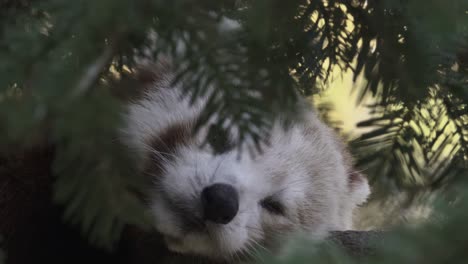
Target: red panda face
(206,201)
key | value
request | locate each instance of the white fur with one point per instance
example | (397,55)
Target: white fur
(303,166)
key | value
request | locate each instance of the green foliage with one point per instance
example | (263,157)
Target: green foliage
(442,240)
(418,73)
(251,57)
(52,58)
(418,147)
(94,176)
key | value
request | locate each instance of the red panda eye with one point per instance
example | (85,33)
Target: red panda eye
(272,205)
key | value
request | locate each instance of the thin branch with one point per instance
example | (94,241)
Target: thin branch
(91,75)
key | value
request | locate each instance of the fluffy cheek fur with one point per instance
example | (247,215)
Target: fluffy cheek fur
(181,185)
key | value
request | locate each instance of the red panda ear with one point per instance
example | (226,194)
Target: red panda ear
(359,187)
(355,178)
(140,80)
(150,73)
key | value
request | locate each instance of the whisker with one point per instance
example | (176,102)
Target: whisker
(217,167)
(253,249)
(152,149)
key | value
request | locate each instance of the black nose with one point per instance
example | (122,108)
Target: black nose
(220,203)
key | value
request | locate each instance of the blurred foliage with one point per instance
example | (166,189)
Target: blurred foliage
(441,240)
(251,57)
(418,73)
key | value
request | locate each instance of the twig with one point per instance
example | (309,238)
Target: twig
(93,72)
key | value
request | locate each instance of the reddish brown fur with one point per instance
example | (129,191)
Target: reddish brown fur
(165,144)
(150,73)
(139,81)
(355,178)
